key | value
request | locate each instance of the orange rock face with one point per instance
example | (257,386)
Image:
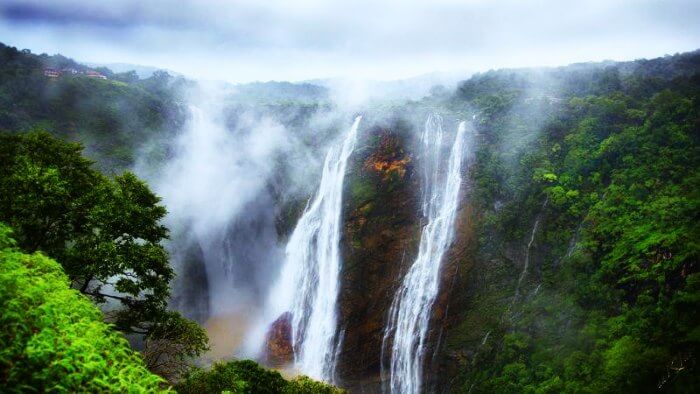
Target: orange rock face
(389,158)
(279,349)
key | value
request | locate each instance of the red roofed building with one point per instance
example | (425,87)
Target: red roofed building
(51,73)
(94,74)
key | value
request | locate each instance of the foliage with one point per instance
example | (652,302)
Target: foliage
(611,302)
(306,385)
(222,377)
(110,116)
(258,379)
(53,338)
(248,377)
(173,344)
(105,232)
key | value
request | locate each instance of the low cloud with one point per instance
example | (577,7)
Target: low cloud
(253,40)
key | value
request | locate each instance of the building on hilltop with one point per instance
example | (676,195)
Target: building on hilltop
(94,74)
(52,73)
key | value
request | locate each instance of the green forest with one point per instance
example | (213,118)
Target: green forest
(602,179)
(587,175)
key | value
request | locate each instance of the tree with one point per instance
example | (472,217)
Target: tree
(105,232)
(126,77)
(246,376)
(172,345)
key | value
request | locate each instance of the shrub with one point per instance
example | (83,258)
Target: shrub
(53,338)
(220,378)
(246,376)
(306,385)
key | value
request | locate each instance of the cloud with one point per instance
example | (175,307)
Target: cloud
(295,40)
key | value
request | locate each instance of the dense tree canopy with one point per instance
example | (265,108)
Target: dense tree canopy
(111,117)
(607,160)
(105,232)
(246,377)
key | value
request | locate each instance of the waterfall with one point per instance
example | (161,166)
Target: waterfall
(309,281)
(526,263)
(409,315)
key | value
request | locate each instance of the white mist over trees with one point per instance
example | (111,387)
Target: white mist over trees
(215,185)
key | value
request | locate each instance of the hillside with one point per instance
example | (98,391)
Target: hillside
(585,201)
(109,116)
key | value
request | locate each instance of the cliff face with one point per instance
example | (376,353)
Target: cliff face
(192,286)
(456,274)
(380,236)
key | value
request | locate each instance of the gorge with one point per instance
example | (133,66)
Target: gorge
(523,230)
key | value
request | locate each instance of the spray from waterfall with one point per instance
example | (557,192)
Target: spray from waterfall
(410,311)
(230,228)
(309,281)
(219,179)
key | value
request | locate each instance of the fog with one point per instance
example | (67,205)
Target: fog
(232,171)
(249,40)
(212,174)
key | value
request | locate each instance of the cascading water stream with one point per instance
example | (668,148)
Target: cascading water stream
(410,311)
(309,281)
(526,263)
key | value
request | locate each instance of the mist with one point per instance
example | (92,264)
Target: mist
(229,177)
(207,155)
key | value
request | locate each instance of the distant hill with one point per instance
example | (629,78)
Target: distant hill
(111,117)
(280,91)
(412,88)
(142,71)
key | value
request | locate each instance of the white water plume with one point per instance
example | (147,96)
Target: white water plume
(214,185)
(410,311)
(309,282)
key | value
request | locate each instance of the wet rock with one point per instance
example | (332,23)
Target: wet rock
(191,284)
(278,341)
(381,230)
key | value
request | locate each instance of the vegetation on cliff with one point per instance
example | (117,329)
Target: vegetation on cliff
(598,168)
(248,377)
(105,232)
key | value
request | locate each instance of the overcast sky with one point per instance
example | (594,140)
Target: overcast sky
(246,40)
